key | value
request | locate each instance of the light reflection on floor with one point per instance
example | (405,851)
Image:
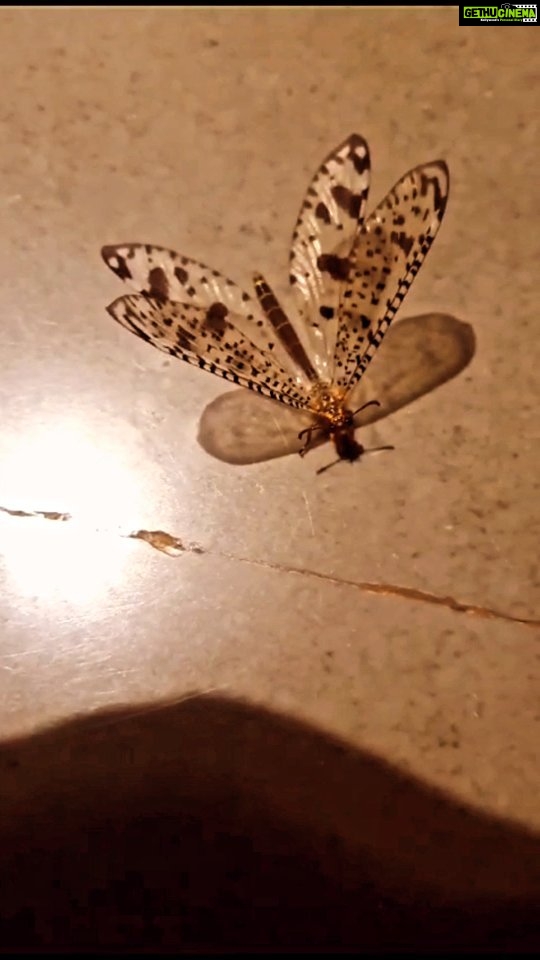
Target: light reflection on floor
(63,468)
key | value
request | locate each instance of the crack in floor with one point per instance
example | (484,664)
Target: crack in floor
(173,547)
(395,590)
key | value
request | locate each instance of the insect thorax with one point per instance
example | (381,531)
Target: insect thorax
(328,402)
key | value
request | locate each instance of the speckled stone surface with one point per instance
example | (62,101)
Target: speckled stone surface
(199,130)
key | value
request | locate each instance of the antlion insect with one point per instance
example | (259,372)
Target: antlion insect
(349,276)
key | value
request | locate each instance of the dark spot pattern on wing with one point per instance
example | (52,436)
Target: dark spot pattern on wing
(322,212)
(215,320)
(329,219)
(337,267)
(347,200)
(116,262)
(348,277)
(386,256)
(210,339)
(403,240)
(158,283)
(181,275)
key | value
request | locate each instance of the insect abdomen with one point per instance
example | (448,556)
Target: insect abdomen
(282,325)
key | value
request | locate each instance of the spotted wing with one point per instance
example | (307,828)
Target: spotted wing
(164,274)
(210,338)
(387,254)
(328,222)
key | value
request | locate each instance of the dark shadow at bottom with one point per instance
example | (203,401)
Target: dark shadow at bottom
(213,825)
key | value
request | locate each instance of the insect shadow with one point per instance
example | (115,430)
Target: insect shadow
(420,353)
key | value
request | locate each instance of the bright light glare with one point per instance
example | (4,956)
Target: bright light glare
(62,468)
(56,561)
